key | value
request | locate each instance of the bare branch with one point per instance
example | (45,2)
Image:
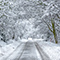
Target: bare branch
(48,26)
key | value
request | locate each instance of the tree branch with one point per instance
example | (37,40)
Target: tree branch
(48,26)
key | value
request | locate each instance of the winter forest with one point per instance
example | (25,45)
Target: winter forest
(29,22)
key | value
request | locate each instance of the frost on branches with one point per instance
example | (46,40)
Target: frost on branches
(29,18)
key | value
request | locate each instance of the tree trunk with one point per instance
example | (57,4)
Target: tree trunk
(54,32)
(55,37)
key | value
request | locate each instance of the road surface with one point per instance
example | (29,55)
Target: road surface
(28,51)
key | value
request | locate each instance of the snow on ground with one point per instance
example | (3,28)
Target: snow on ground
(2,43)
(51,49)
(7,49)
(37,53)
(38,39)
(17,53)
(23,40)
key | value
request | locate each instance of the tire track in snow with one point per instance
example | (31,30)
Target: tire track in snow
(13,52)
(22,51)
(43,55)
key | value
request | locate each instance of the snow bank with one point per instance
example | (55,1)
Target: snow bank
(51,49)
(2,43)
(38,39)
(24,40)
(6,50)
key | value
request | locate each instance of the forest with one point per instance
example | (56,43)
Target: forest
(22,20)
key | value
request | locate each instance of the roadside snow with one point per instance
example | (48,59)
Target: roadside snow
(38,39)
(7,49)
(51,49)
(17,53)
(23,40)
(2,43)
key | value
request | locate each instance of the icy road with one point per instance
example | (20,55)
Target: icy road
(28,51)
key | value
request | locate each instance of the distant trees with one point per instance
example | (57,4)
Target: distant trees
(14,23)
(6,21)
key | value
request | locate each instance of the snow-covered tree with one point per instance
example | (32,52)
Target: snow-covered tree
(51,18)
(28,18)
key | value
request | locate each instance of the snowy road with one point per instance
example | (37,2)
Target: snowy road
(28,51)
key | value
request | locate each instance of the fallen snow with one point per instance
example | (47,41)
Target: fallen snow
(2,43)
(24,40)
(38,39)
(7,49)
(51,49)
(16,53)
